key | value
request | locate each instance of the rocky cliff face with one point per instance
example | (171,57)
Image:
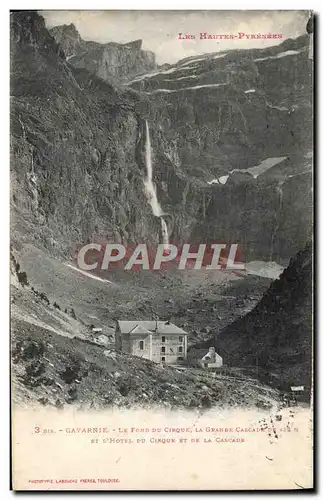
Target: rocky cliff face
(219,115)
(78,143)
(109,61)
(73,147)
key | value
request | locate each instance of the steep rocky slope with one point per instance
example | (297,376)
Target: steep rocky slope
(277,334)
(109,60)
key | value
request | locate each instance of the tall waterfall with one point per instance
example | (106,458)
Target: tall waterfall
(276,227)
(164,232)
(151,191)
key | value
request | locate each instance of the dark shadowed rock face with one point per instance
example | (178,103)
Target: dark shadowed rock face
(78,143)
(73,149)
(68,38)
(277,333)
(109,60)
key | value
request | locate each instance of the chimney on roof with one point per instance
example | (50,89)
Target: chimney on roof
(156,322)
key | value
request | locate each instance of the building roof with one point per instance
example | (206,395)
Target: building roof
(139,329)
(148,327)
(211,356)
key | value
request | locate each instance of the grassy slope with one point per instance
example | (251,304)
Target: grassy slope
(44,346)
(71,371)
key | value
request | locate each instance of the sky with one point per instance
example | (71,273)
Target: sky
(159,29)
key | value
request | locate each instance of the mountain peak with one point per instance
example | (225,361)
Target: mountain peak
(28,30)
(106,60)
(67,36)
(68,29)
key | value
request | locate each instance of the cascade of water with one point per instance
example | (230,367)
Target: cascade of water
(149,185)
(151,190)
(164,232)
(280,203)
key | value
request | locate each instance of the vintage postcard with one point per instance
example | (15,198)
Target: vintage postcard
(161,250)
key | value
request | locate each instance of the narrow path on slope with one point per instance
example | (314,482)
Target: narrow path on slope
(89,275)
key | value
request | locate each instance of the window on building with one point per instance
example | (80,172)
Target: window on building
(163,349)
(180,349)
(141,345)
(181,339)
(163,340)
(163,358)
(180,358)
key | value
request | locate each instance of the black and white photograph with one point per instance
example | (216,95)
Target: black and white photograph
(161,244)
